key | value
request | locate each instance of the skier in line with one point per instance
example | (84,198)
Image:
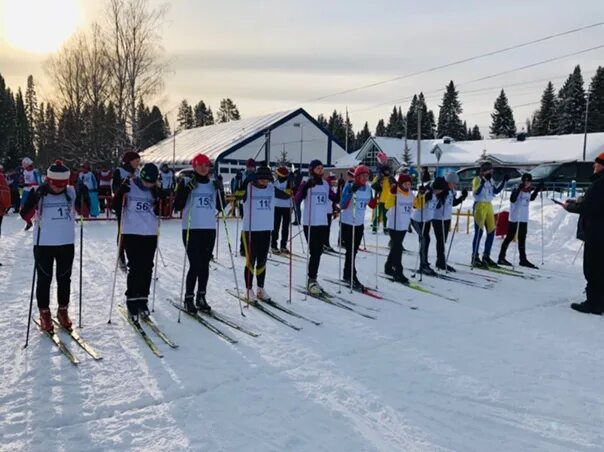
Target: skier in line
(140,224)
(519,215)
(441,223)
(198,199)
(128,169)
(105,181)
(167,182)
(31,179)
(54,236)
(316,195)
(484,218)
(239,189)
(421,218)
(283,210)
(332,210)
(381,185)
(88,178)
(590,228)
(356,196)
(258,213)
(398,221)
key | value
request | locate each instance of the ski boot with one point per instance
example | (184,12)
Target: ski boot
(262,295)
(250,296)
(46,321)
(284,250)
(28,226)
(389,270)
(189,304)
(328,249)
(489,262)
(425,269)
(275,250)
(201,303)
(132,305)
(314,288)
(587,308)
(63,317)
(527,264)
(143,309)
(504,262)
(477,263)
(400,278)
(356,285)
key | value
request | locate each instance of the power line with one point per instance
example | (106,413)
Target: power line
(454,63)
(499,74)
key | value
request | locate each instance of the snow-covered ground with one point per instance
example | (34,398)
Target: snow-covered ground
(508,368)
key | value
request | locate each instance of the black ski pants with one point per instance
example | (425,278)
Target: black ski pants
(315,247)
(329,220)
(199,246)
(395,256)
(593,270)
(140,251)
(423,234)
(256,245)
(521,228)
(349,245)
(441,233)
(282,219)
(45,258)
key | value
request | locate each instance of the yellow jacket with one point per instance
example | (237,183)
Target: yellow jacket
(385,196)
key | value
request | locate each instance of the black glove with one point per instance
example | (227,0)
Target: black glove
(311,182)
(422,189)
(43,190)
(192,184)
(464,193)
(355,187)
(429,196)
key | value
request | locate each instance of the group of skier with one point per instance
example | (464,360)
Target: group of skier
(267,205)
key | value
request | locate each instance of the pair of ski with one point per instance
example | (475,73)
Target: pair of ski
(502,271)
(455,279)
(75,336)
(261,306)
(337,301)
(417,287)
(373,293)
(137,326)
(202,317)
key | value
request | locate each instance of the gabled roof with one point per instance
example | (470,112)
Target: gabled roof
(218,139)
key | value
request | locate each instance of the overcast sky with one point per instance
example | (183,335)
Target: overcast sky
(275,55)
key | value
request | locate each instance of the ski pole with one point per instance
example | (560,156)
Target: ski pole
(155,261)
(249,280)
(236,203)
(542,235)
(217,237)
(291,248)
(517,244)
(377,245)
(351,245)
(578,251)
(33,279)
(442,224)
(309,200)
(161,256)
(184,259)
(453,235)
(120,243)
(339,250)
(81,262)
(227,235)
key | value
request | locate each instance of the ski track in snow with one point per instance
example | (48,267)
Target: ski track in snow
(509,368)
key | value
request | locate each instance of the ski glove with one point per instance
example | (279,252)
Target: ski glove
(464,193)
(355,188)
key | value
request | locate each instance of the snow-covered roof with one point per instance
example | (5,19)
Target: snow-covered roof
(219,140)
(510,151)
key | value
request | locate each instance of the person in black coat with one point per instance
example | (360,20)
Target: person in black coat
(590,229)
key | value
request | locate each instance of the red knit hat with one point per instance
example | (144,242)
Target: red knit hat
(200,159)
(402,178)
(600,158)
(282,171)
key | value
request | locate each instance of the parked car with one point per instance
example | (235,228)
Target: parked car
(466,175)
(559,175)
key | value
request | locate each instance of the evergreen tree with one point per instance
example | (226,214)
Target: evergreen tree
(503,118)
(167,129)
(475,135)
(412,119)
(228,111)
(184,119)
(8,154)
(449,123)
(23,132)
(156,128)
(429,126)
(571,104)
(545,118)
(337,127)
(202,115)
(380,129)
(395,125)
(31,102)
(39,126)
(529,127)
(595,120)
(466,131)
(363,135)
(349,133)
(322,121)
(50,135)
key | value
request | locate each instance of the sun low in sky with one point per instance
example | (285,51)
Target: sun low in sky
(38,26)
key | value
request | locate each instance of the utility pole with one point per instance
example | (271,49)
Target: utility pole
(419,142)
(585,127)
